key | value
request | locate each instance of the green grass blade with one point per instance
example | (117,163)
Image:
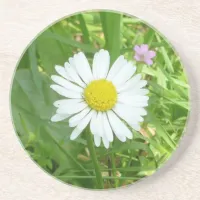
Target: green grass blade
(84,47)
(165,56)
(85,32)
(34,66)
(111,23)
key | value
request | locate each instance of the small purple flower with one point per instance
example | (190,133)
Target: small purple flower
(143,54)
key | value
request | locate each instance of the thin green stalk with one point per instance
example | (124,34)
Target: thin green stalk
(114,168)
(128,165)
(140,67)
(93,155)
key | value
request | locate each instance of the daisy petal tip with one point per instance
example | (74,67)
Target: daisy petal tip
(57,118)
(130,138)
(81,54)
(66,64)
(110,140)
(145,83)
(58,67)
(138,128)
(53,77)
(52,119)
(73,136)
(107,54)
(123,140)
(122,57)
(145,113)
(75,56)
(107,147)
(101,50)
(70,125)
(56,104)
(70,60)
(97,145)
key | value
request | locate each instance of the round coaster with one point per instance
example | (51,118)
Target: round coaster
(100,100)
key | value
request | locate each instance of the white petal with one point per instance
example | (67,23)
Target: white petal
(136,127)
(127,114)
(97,140)
(63,102)
(118,64)
(93,124)
(105,142)
(75,120)
(124,74)
(61,71)
(71,62)
(72,108)
(135,92)
(135,101)
(83,67)
(66,93)
(133,113)
(139,92)
(99,124)
(66,84)
(96,125)
(81,126)
(122,138)
(73,74)
(59,117)
(130,83)
(101,64)
(140,84)
(119,128)
(107,129)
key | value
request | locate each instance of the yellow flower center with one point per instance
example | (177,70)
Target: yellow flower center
(101,95)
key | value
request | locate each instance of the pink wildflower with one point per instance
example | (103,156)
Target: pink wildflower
(143,54)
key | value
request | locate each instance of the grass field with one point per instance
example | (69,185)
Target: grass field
(48,143)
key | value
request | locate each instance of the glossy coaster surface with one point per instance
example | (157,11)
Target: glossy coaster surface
(100,100)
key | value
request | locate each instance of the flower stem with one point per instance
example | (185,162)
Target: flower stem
(114,168)
(91,148)
(114,171)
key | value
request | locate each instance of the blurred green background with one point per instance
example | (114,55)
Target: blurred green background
(48,143)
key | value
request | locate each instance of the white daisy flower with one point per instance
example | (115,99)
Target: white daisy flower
(111,101)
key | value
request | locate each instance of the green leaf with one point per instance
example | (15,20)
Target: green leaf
(111,23)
